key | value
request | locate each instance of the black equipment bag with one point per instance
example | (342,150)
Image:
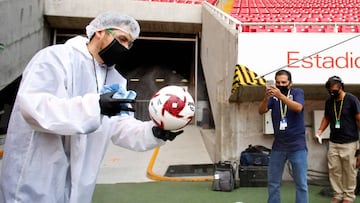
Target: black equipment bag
(225,176)
(256,155)
(253,176)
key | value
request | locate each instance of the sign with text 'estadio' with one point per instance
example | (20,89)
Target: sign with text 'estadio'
(310,57)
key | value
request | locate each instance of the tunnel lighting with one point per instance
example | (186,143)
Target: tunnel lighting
(134,79)
(159,80)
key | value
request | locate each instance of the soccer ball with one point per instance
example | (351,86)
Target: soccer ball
(172,108)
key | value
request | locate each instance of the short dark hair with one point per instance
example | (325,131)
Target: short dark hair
(284,72)
(334,80)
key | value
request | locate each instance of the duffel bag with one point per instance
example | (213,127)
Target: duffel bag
(256,155)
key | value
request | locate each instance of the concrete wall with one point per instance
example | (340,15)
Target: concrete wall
(238,124)
(23,33)
(248,129)
(219,56)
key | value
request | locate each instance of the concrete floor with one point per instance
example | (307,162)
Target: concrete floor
(125,166)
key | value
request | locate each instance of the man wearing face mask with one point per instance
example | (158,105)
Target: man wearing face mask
(61,124)
(287,113)
(342,113)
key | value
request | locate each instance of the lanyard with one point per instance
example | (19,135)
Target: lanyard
(337,117)
(283,110)
(96,78)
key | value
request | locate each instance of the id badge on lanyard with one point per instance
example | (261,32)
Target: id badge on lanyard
(283,124)
(337,124)
(283,121)
(338,114)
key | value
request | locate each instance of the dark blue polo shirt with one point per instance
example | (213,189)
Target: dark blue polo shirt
(293,137)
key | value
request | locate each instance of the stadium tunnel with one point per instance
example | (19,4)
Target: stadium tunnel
(153,62)
(7,99)
(157,60)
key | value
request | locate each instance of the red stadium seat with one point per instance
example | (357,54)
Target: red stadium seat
(304,11)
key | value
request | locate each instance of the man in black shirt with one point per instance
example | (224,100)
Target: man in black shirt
(342,112)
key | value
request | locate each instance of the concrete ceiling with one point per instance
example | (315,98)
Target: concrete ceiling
(156,17)
(65,22)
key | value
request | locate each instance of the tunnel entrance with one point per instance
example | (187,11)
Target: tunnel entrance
(152,63)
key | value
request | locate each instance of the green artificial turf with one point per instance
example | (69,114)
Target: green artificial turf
(194,192)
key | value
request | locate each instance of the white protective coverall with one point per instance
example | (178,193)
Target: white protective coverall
(56,137)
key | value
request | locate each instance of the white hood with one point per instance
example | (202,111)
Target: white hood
(79,43)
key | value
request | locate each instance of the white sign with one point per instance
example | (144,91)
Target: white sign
(329,54)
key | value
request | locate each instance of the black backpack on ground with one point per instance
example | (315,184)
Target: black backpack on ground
(225,176)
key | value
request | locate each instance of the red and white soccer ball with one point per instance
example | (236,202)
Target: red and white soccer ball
(172,108)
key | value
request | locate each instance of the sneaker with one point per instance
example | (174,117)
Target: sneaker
(336,200)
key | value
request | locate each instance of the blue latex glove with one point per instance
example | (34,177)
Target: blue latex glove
(120,93)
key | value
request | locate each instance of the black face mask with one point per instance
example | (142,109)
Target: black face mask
(334,94)
(112,53)
(283,89)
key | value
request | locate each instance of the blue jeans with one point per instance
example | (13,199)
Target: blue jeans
(298,161)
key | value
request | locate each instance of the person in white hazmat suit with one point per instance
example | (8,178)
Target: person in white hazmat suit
(61,125)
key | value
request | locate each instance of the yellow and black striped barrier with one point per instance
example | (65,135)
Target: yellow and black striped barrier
(244,77)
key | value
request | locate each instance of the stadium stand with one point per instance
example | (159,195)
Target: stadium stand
(306,15)
(291,15)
